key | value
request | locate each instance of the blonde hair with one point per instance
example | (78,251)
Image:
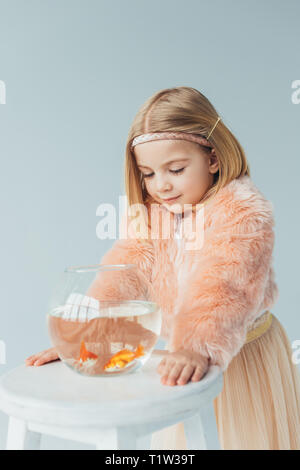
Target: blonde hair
(183,109)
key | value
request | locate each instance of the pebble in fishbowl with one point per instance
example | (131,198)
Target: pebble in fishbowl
(104,337)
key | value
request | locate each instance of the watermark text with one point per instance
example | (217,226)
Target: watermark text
(296,353)
(136,222)
(2,92)
(296,94)
(2,352)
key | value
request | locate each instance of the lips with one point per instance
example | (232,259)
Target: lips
(171,199)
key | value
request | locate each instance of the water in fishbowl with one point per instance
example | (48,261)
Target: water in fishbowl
(113,338)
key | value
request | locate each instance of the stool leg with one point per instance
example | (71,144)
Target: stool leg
(19,437)
(144,442)
(118,439)
(201,430)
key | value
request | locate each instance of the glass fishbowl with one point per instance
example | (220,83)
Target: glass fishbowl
(102,319)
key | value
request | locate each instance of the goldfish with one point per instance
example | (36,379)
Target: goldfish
(123,357)
(85,355)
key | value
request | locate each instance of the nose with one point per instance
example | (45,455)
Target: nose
(162,184)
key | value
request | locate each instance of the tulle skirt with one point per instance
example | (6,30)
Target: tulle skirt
(259,406)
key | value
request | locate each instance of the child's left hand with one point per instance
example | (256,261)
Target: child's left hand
(177,368)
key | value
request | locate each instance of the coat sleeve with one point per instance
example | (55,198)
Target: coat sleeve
(225,289)
(125,284)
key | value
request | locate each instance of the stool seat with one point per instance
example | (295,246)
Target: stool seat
(106,411)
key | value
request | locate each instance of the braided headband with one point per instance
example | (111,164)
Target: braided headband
(175,135)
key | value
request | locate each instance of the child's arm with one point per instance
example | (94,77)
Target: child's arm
(225,290)
(115,285)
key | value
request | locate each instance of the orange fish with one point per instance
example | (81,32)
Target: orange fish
(85,355)
(123,357)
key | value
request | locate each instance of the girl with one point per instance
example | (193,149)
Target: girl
(216,298)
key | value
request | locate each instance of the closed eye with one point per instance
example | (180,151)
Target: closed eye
(172,171)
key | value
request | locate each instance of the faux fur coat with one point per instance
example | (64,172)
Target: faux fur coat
(208,297)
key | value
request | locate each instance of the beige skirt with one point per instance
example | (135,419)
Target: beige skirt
(259,406)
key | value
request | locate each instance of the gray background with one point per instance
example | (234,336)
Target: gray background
(76,73)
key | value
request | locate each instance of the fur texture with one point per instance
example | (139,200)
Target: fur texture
(210,296)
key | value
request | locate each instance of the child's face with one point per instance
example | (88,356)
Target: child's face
(190,184)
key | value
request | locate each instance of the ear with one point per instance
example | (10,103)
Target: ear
(213,162)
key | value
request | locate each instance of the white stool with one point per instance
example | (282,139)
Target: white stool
(108,412)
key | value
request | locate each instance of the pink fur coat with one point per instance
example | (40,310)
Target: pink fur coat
(208,297)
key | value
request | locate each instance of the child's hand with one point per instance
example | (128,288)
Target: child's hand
(43,357)
(177,368)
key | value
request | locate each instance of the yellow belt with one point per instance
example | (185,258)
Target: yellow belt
(259,326)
